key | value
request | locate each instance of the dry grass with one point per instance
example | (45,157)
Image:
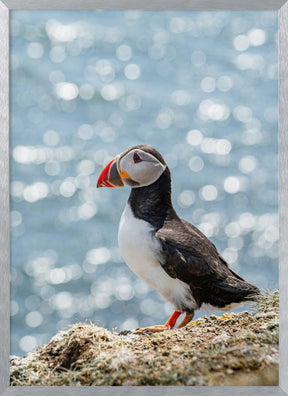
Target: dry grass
(234,349)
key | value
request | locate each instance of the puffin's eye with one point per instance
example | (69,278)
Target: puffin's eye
(136,158)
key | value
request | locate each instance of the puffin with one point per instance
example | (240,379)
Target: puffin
(167,252)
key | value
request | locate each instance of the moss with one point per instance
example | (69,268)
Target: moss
(234,349)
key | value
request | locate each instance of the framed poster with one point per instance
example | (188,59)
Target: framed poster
(201,86)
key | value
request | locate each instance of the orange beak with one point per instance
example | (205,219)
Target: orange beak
(110,177)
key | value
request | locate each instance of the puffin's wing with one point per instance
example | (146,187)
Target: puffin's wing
(194,229)
(188,255)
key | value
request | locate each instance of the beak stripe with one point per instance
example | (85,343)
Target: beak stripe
(109,176)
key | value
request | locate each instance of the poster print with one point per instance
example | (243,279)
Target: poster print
(200,87)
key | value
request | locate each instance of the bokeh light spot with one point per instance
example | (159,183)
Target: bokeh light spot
(132,71)
(124,52)
(98,256)
(66,90)
(194,137)
(67,188)
(35,50)
(186,198)
(111,92)
(34,319)
(36,191)
(181,97)
(209,192)
(224,83)
(62,300)
(241,42)
(57,54)
(196,164)
(231,185)
(248,164)
(27,343)
(86,91)
(257,37)
(208,84)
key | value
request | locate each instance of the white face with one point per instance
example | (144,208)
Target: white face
(140,167)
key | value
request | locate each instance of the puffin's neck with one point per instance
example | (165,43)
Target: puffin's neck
(153,203)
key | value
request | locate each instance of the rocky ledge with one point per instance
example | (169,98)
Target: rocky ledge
(233,349)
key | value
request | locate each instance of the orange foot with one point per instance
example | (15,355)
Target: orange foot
(169,324)
(152,328)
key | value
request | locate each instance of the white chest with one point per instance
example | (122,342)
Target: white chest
(138,246)
(140,250)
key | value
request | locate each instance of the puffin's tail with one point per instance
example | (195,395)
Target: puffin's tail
(239,290)
(234,290)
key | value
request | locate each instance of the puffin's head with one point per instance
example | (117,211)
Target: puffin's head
(138,166)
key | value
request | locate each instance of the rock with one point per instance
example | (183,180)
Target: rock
(234,349)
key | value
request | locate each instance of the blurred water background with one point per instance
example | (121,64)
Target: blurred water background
(199,86)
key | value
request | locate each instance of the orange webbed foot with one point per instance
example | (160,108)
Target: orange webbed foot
(167,326)
(153,329)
